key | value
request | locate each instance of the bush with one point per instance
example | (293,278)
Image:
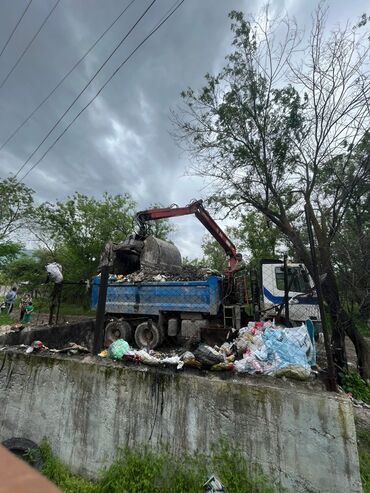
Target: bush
(145,471)
(352,382)
(364,455)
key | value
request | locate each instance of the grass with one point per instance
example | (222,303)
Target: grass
(364,455)
(42,305)
(143,471)
(6,319)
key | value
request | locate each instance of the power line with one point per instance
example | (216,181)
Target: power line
(15,27)
(65,76)
(85,87)
(29,44)
(171,11)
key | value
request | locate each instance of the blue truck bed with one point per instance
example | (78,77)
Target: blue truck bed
(150,298)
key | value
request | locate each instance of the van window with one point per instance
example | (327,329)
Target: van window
(300,282)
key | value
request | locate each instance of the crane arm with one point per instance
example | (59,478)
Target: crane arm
(203,216)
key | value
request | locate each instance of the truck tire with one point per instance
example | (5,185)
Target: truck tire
(118,329)
(26,450)
(148,335)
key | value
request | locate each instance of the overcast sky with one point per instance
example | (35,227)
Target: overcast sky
(122,142)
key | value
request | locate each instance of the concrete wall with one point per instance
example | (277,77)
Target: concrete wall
(55,336)
(306,438)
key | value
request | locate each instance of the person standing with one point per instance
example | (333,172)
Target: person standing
(54,271)
(22,305)
(10,299)
(28,313)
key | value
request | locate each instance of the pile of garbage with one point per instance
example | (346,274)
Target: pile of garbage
(261,348)
(148,274)
(276,351)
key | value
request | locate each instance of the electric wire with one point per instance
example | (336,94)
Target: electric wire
(15,28)
(171,11)
(85,87)
(65,77)
(28,45)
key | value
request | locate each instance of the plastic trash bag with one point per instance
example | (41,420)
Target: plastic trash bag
(118,349)
(207,355)
(189,360)
(147,358)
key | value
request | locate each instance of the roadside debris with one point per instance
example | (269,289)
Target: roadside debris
(72,348)
(213,485)
(260,348)
(11,328)
(35,346)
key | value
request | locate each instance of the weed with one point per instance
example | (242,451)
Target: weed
(364,455)
(145,471)
(6,319)
(352,382)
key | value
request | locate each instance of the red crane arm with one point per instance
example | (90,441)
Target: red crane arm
(203,216)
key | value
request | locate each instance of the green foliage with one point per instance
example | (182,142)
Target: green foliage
(29,270)
(195,262)
(161,228)
(364,456)
(352,382)
(16,206)
(258,236)
(214,255)
(60,475)
(81,226)
(144,471)
(9,250)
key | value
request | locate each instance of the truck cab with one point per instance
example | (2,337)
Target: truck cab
(303,303)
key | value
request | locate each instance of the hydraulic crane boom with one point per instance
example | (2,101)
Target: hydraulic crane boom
(204,217)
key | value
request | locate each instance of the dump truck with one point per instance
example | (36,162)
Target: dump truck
(161,301)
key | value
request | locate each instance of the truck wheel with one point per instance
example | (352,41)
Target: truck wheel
(118,329)
(26,450)
(148,335)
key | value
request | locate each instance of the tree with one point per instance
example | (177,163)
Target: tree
(16,206)
(9,251)
(80,227)
(256,238)
(27,270)
(270,125)
(214,255)
(161,228)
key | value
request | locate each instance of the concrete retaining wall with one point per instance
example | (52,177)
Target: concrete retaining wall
(54,336)
(87,411)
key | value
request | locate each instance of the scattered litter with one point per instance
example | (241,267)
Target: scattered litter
(213,485)
(189,360)
(223,366)
(207,355)
(72,348)
(35,346)
(147,358)
(104,354)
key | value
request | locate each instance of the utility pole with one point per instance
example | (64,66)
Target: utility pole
(105,263)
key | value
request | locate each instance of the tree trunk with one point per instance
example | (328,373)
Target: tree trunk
(341,325)
(362,350)
(332,300)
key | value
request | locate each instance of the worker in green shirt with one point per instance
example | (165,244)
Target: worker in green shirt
(28,313)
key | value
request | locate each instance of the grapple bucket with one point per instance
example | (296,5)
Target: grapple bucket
(152,253)
(161,255)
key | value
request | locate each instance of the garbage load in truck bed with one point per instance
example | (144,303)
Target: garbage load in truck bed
(152,298)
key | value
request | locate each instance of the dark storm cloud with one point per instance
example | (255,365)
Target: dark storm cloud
(122,142)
